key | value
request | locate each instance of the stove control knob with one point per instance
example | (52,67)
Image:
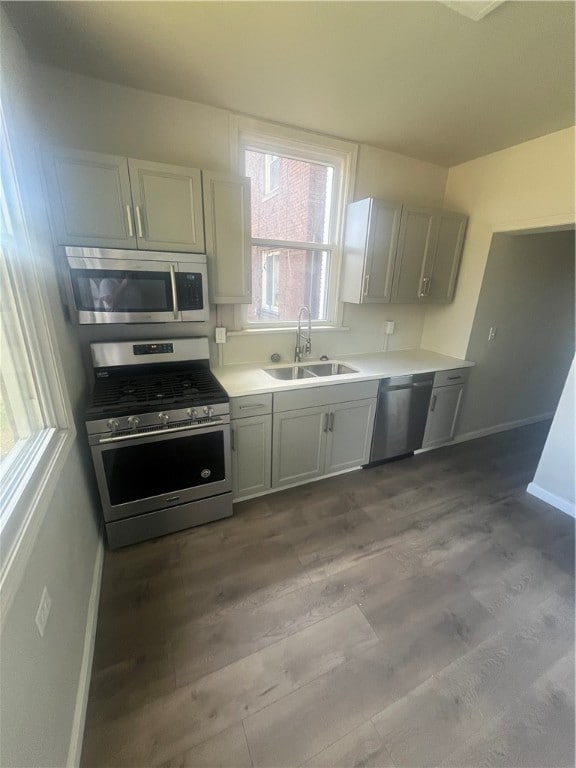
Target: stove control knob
(133,421)
(164,418)
(113,424)
(209,411)
(192,413)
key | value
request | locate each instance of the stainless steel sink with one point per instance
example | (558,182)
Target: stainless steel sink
(311,371)
(289,372)
(330,369)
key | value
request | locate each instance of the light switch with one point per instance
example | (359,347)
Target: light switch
(220,335)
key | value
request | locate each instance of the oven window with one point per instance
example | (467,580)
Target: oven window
(112,290)
(163,466)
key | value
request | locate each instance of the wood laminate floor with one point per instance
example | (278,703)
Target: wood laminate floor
(420,613)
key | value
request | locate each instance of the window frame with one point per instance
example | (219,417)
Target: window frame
(275,139)
(31,472)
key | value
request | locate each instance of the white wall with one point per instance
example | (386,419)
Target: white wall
(554,481)
(527,295)
(525,187)
(89,114)
(40,676)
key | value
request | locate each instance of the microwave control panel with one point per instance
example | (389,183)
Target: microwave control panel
(189,291)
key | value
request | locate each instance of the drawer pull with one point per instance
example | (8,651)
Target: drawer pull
(256,405)
(453,378)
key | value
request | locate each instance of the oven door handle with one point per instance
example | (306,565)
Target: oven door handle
(174,290)
(155,432)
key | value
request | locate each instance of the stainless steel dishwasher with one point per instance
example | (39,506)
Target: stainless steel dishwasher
(401,415)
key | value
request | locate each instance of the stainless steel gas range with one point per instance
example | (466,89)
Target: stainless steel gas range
(159,431)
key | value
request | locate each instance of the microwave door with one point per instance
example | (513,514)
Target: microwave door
(117,291)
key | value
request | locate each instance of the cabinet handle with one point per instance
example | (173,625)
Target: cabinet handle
(174,290)
(454,378)
(331,422)
(139,221)
(433,404)
(366,284)
(129,220)
(326,419)
(256,405)
(422,288)
(232,440)
(428,281)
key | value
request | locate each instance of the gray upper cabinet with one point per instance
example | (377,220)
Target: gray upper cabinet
(442,261)
(112,202)
(400,254)
(228,239)
(90,199)
(167,203)
(414,244)
(370,243)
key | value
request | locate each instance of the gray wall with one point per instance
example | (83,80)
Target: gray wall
(40,676)
(528,295)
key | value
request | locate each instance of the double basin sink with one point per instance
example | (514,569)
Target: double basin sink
(309,371)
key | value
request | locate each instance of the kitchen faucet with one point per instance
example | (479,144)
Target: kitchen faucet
(306,348)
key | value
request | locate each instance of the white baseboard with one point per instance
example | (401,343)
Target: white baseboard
(564,505)
(501,427)
(76,738)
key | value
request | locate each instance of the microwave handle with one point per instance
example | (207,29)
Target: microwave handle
(174,291)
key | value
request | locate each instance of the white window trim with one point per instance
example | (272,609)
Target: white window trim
(268,136)
(42,461)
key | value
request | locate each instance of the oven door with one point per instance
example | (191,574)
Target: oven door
(162,469)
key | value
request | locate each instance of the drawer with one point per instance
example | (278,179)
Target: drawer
(250,405)
(447,378)
(327,395)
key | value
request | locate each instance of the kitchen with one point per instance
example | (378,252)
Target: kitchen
(524,188)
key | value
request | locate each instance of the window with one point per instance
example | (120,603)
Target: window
(34,414)
(270,286)
(271,174)
(299,191)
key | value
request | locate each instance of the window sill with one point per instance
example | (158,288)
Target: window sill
(29,511)
(288,329)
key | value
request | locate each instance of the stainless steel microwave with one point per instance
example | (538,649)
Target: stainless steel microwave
(119,286)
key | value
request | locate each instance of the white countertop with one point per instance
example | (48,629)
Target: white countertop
(250,379)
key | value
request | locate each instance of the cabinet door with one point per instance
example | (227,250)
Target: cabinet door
(442,414)
(441,267)
(414,244)
(168,207)
(299,444)
(382,244)
(89,196)
(350,427)
(371,239)
(251,455)
(228,237)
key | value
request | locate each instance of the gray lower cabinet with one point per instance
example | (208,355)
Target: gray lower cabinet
(251,455)
(349,435)
(444,407)
(311,442)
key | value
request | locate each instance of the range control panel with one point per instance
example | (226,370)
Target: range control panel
(164,348)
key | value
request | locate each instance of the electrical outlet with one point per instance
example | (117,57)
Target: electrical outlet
(43,611)
(492,334)
(220,335)
(389,326)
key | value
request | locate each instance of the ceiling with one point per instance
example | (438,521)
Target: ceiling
(411,77)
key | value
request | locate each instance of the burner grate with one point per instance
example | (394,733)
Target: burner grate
(156,389)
